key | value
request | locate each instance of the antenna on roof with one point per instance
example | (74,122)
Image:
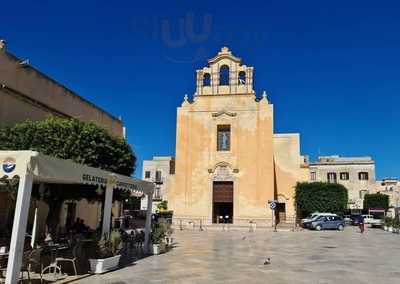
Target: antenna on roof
(24,63)
(3,44)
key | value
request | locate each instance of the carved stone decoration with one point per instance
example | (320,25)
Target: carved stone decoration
(223,173)
(217,114)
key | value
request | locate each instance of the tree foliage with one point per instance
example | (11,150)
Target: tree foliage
(320,197)
(84,143)
(376,200)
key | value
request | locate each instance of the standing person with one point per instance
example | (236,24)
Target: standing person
(75,226)
(361,223)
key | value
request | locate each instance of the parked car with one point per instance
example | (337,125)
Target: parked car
(347,219)
(307,221)
(373,222)
(368,218)
(328,223)
(355,219)
(309,218)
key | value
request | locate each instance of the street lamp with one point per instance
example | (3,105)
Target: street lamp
(396,211)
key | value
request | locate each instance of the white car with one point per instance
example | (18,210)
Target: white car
(367,218)
(370,220)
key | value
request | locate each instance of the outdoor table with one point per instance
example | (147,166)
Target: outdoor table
(3,256)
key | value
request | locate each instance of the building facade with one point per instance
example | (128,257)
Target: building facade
(357,174)
(158,170)
(390,187)
(27,93)
(229,161)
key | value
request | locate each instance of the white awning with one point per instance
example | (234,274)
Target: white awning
(33,167)
(48,169)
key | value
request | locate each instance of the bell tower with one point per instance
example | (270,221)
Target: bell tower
(225,76)
(229,163)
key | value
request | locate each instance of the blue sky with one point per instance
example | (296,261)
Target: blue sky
(331,68)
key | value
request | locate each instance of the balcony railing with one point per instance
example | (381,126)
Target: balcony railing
(157,194)
(157,197)
(158,180)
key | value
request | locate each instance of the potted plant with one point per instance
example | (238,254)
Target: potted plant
(158,234)
(168,236)
(385,223)
(390,225)
(107,253)
(396,226)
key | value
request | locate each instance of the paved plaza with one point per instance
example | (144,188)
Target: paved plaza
(296,257)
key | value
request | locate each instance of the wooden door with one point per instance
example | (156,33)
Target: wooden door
(223,192)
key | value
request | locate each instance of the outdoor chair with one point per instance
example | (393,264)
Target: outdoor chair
(72,258)
(139,240)
(25,265)
(35,261)
(132,239)
(3,271)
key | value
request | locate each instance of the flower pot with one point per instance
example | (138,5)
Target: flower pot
(159,248)
(169,241)
(390,229)
(156,249)
(385,228)
(102,265)
(253,227)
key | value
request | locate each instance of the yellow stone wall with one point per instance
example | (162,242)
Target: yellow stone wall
(289,169)
(26,93)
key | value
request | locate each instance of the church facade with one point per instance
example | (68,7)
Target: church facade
(229,161)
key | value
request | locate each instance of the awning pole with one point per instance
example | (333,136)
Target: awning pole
(35,219)
(34,228)
(107,210)
(19,228)
(148,221)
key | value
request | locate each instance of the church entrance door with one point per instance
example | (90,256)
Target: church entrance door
(222,202)
(280,212)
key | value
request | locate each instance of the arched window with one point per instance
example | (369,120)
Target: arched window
(206,79)
(242,78)
(224,75)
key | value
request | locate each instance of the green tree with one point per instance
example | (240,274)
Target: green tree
(320,197)
(84,143)
(376,200)
(162,206)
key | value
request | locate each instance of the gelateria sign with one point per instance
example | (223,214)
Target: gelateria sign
(91,179)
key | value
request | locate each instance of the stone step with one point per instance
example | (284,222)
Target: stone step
(233,227)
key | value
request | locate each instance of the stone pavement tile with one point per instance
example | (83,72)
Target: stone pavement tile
(296,257)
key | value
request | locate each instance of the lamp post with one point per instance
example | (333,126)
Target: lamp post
(396,211)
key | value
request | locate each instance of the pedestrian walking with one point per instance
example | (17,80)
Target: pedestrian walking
(361,223)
